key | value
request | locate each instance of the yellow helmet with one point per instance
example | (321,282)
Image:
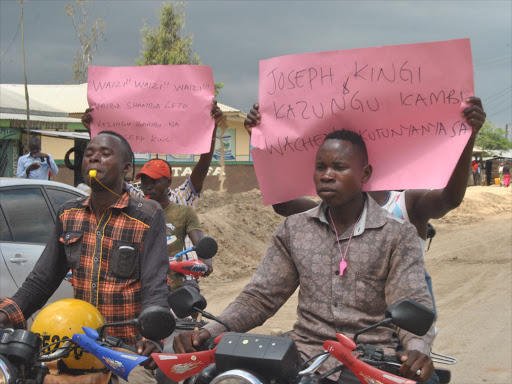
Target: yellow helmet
(62,319)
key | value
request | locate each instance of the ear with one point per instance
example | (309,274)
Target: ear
(127,168)
(367,173)
(169,183)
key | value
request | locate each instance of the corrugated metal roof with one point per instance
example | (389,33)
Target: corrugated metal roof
(68,98)
(33,117)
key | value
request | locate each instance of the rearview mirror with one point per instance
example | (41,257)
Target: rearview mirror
(156,323)
(206,248)
(183,301)
(411,316)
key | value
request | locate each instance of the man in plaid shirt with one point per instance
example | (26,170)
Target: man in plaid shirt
(114,244)
(188,192)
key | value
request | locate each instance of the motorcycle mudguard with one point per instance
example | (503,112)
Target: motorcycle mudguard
(181,366)
(119,363)
(194,268)
(364,372)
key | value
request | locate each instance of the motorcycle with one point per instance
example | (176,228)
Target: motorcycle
(205,248)
(22,359)
(251,358)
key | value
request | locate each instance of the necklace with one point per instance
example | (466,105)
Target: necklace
(343,262)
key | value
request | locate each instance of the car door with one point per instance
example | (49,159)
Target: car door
(30,219)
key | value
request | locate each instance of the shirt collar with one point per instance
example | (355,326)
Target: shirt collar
(373,216)
(121,203)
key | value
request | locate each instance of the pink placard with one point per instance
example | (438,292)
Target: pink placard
(404,100)
(157,108)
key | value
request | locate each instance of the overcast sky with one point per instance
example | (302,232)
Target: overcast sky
(231,36)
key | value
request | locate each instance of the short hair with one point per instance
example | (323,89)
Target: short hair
(351,136)
(128,153)
(34,140)
(166,162)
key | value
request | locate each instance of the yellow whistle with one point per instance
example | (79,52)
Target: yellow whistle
(93,173)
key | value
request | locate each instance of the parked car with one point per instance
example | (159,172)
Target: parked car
(28,210)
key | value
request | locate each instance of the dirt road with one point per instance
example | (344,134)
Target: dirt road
(470,261)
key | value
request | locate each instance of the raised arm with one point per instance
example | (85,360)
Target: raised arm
(287,208)
(201,168)
(425,205)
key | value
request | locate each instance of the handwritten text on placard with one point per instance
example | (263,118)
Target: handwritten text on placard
(405,101)
(157,108)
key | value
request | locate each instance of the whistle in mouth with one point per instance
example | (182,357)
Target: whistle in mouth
(93,173)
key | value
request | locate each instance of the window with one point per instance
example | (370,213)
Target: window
(60,196)
(5,233)
(28,214)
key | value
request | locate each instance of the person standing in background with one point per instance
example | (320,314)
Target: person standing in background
(36,164)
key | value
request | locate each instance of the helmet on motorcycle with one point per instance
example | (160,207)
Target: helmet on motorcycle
(61,320)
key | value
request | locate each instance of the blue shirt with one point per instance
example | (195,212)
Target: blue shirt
(41,173)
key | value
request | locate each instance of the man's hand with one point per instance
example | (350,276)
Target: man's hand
(215,112)
(474,115)
(209,263)
(414,361)
(252,119)
(188,341)
(87,119)
(33,166)
(4,320)
(42,156)
(146,348)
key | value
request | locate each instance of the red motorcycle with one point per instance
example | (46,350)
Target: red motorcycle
(253,359)
(205,248)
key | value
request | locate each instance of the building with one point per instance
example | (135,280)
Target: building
(55,112)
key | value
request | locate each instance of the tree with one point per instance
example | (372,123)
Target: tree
(89,39)
(491,137)
(165,43)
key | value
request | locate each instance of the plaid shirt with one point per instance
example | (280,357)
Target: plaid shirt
(119,263)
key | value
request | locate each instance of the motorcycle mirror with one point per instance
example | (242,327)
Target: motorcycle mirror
(206,248)
(411,316)
(156,323)
(185,301)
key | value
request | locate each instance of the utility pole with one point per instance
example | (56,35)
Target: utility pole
(25,72)
(506,132)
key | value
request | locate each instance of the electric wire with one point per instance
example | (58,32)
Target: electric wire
(10,45)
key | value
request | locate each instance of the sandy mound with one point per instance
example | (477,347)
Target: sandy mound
(242,227)
(480,204)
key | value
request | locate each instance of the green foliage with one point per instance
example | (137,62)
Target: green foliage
(491,137)
(165,44)
(88,38)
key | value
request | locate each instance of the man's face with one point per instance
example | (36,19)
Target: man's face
(105,154)
(339,172)
(156,189)
(34,148)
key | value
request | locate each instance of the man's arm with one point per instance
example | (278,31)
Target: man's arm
(406,279)
(41,283)
(53,167)
(201,168)
(425,205)
(259,300)
(155,264)
(287,208)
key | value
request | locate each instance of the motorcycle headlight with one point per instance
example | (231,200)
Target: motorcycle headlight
(7,373)
(237,376)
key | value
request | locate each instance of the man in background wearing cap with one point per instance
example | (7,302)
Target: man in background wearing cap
(180,220)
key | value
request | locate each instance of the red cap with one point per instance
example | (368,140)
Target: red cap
(155,169)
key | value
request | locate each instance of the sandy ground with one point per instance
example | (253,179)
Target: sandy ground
(470,261)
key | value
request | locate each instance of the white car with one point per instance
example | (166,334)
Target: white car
(28,211)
